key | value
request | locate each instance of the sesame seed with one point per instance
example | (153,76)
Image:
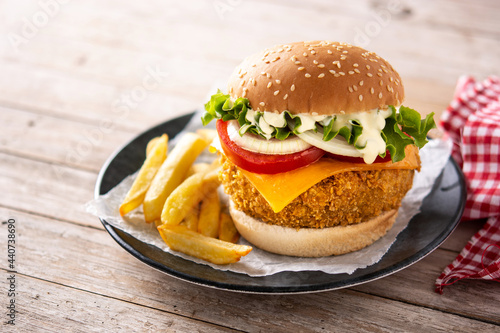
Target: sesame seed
(301,68)
(242,83)
(292,88)
(350,89)
(267,61)
(336,75)
(321,75)
(357,70)
(343,57)
(351,72)
(244,94)
(297,62)
(280,50)
(263,73)
(341,73)
(262,103)
(254,65)
(355,65)
(345,51)
(332,71)
(269,84)
(268,75)
(361,83)
(379,74)
(369,74)
(336,62)
(360,98)
(276,59)
(278,81)
(254,82)
(304,54)
(276,92)
(367,66)
(321,66)
(315,62)
(372,91)
(330,52)
(391,79)
(313,52)
(381,83)
(285,97)
(307,75)
(355,87)
(380,95)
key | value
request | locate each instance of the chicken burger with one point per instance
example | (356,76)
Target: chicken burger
(317,150)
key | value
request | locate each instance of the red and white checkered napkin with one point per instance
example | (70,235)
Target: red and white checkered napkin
(472,121)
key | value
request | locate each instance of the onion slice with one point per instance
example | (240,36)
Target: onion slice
(257,144)
(337,145)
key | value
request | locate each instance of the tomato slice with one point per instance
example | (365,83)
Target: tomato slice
(351,159)
(264,163)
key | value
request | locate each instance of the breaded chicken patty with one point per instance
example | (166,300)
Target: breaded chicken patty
(342,199)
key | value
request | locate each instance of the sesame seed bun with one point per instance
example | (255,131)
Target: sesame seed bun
(319,78)
(311,242)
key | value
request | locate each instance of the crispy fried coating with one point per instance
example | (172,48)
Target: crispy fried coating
(343,199)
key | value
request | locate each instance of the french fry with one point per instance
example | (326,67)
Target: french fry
(171,173)
(227,230)
(181,239)
(182,200)
(154,159)
(151,144)
(208,222)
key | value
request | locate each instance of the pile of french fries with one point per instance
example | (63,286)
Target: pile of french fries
(181,198)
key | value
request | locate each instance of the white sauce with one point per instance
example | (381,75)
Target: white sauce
(373,123)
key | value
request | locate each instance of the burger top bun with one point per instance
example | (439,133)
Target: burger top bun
(319,78)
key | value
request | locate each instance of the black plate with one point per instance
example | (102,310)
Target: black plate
(440,213)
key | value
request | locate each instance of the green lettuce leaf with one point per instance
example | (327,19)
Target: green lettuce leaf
(401,128)
(406,128)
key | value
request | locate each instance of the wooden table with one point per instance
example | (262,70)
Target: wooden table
(73,89)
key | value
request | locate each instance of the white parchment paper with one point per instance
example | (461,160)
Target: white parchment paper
(434,157)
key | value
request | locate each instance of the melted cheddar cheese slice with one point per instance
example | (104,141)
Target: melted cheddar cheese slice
(282,188)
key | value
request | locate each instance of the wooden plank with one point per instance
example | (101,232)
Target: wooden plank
(56,140)
(298,22)
(48,307)
(46,189)
(60,94)
(134,282)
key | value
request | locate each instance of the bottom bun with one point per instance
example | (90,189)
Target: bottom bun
(309,242)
